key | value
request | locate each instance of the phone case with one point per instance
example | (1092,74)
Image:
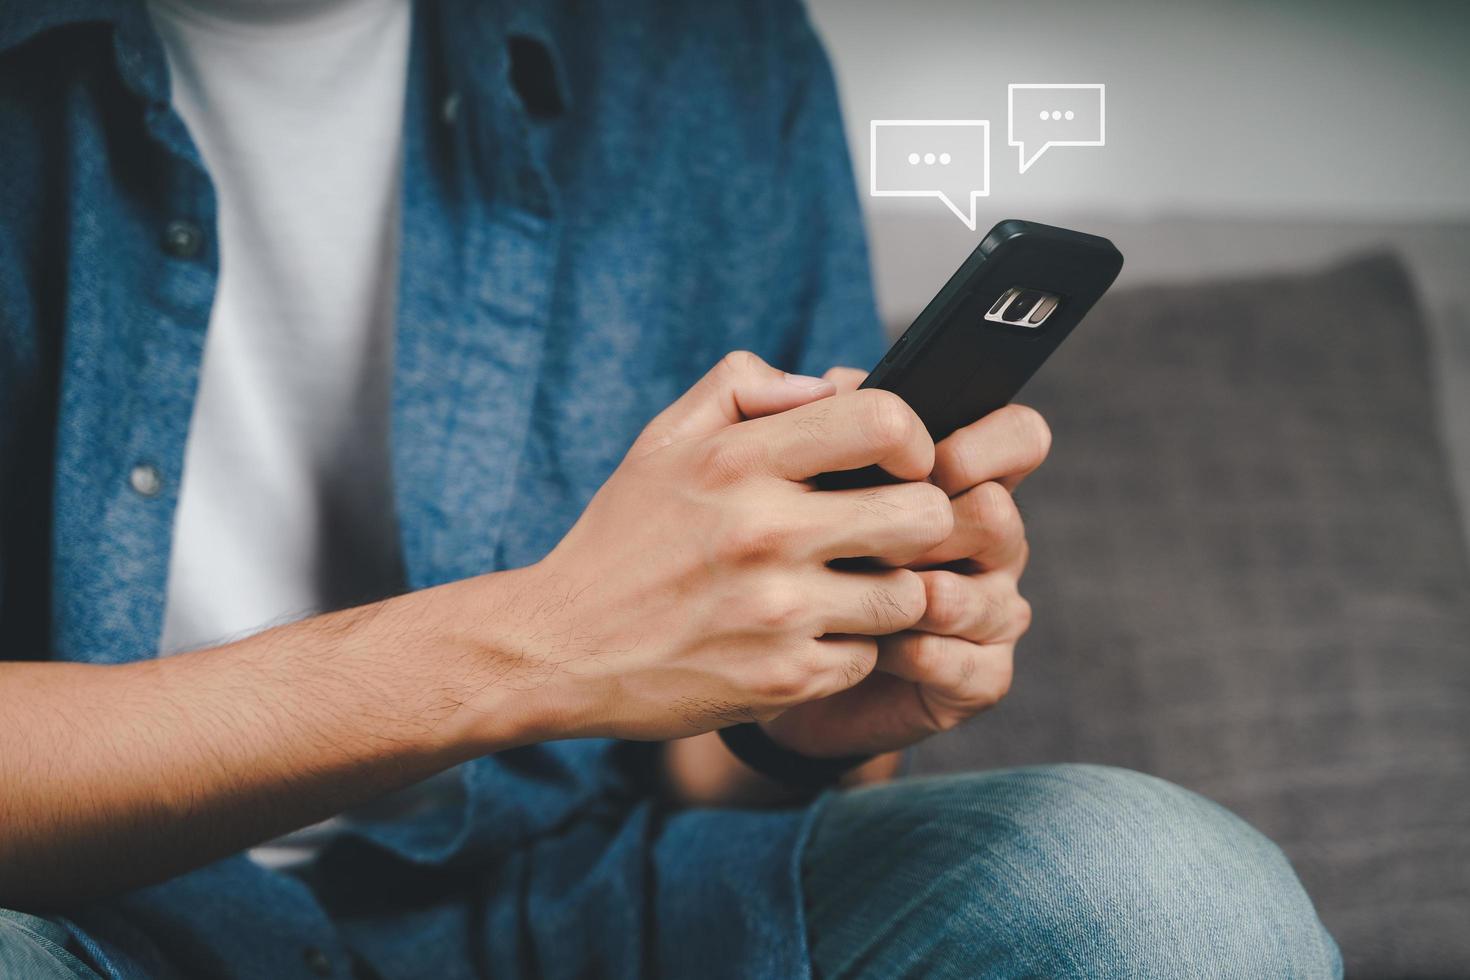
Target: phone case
(952,365)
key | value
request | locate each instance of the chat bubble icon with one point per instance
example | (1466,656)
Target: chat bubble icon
(1043,116)
(944,158)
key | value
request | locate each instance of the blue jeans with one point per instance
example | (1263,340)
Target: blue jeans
(1054,872)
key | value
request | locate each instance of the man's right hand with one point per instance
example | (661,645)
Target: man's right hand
(694,591)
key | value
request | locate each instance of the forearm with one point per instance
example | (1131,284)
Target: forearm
(700,771)
(117,776)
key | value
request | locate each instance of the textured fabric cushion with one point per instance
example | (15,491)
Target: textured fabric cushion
(1249,577)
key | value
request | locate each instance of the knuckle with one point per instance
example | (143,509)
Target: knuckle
(923,512)
(931,512)
(1021,615)
(995,507)
(725,461)
(947,599)
(887,420)
(989,612)
(861,663)
(910,597)
(842,673)
(774,606)
(925,653)
(970,507)
(754,539)
(790,678)
(945,721)
(991,510)
(1005,675)
(1000,678)
(969,510)
(740,363)
(783,684)
(898,603)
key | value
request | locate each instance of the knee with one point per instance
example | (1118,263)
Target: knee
(1109,872)
(31,946)
(1140,871)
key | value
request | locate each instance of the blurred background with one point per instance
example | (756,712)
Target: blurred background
(1243,136)
(1338,109)
(1249,569)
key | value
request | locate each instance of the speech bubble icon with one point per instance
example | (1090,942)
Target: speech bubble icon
(944,158)
(1043,116)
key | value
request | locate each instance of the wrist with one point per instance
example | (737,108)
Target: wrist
(486,674)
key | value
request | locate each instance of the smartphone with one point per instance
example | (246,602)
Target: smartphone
(1013,301)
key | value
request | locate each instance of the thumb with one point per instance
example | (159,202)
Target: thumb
(741,386)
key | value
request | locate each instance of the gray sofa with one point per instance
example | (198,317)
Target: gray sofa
(1250,573)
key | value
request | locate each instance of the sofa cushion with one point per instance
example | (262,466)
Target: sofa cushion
(1249,577)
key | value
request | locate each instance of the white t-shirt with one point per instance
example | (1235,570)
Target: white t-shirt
(286,504)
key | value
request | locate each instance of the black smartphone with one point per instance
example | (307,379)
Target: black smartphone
(1013,301)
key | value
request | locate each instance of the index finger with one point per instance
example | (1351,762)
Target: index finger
(844,432)
(1004,447)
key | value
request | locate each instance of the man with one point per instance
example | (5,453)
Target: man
(348,319)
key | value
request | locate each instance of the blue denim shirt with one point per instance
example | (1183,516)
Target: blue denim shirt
(599,200)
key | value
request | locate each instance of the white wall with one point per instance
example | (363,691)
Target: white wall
(1336,110)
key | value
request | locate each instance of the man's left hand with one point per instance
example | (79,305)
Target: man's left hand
(957,661)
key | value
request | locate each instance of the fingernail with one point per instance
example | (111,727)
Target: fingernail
(817,386)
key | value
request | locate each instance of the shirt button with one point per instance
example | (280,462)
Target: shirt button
(317,961)
(450,110)
(182,239)
(146,480)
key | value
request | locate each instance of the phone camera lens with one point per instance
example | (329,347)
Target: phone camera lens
(1021,305)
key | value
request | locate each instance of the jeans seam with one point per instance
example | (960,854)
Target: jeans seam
(798,853)
(59,953)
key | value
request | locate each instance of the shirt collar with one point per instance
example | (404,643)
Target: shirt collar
(25,19)
(530,31)
(139,56)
